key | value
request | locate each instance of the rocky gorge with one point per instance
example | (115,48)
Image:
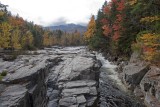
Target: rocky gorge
(65,77)
(75,77)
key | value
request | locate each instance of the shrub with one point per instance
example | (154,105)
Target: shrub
(4,73)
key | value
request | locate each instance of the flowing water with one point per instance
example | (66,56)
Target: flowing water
(111,73)
(112,92)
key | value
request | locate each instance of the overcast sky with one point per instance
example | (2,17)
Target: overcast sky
(54,12)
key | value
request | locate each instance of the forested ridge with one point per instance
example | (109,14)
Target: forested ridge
(126,26)
(17,33)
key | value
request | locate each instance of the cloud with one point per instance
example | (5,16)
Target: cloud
(48,12)
(59,21)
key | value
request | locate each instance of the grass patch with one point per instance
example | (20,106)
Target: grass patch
(1,77)
(3,74)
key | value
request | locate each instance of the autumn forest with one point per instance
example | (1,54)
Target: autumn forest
(120,28)
(17,33)
(126,26)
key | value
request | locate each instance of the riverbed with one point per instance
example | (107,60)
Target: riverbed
(63,77)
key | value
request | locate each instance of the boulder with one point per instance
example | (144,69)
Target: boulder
(133,74)
(15,96)
(67,101)
(150,85)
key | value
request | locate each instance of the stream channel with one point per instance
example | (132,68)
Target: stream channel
(112,92)
(63,77)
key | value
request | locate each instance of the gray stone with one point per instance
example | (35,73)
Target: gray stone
(133,73)
(40,80)
(75,84)
(15,96)
(54,95)
(2,87)
(135,56)
(29,70)
(93,91)
(73,106)
(151,101)
(82,63)
(81,99)
(80,83)
(138,92)
(53,103)
(150,85)
(82,105)
(67,101)
(91,100)
(91,83)
(79,68)
(75,91)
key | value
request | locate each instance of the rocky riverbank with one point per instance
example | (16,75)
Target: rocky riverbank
(75,77)
(141,78)
(113,92)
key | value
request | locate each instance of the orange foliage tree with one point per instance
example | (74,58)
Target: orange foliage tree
(114,26)
(149,43)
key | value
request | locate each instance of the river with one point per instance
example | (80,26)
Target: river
(63,77)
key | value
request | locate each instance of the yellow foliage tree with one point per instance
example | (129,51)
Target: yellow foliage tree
(150,19)
(27,40)
(5,35)
(1,13)
(47,40)
(132,2)
(90,29)
(16,39)
(150,45)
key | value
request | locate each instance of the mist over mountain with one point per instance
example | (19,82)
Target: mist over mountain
(70,28)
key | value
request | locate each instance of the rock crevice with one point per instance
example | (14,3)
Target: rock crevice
(54,77)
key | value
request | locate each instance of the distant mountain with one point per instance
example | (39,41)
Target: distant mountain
(68,28)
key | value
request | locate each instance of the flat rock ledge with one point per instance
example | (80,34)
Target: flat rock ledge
(24,85)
